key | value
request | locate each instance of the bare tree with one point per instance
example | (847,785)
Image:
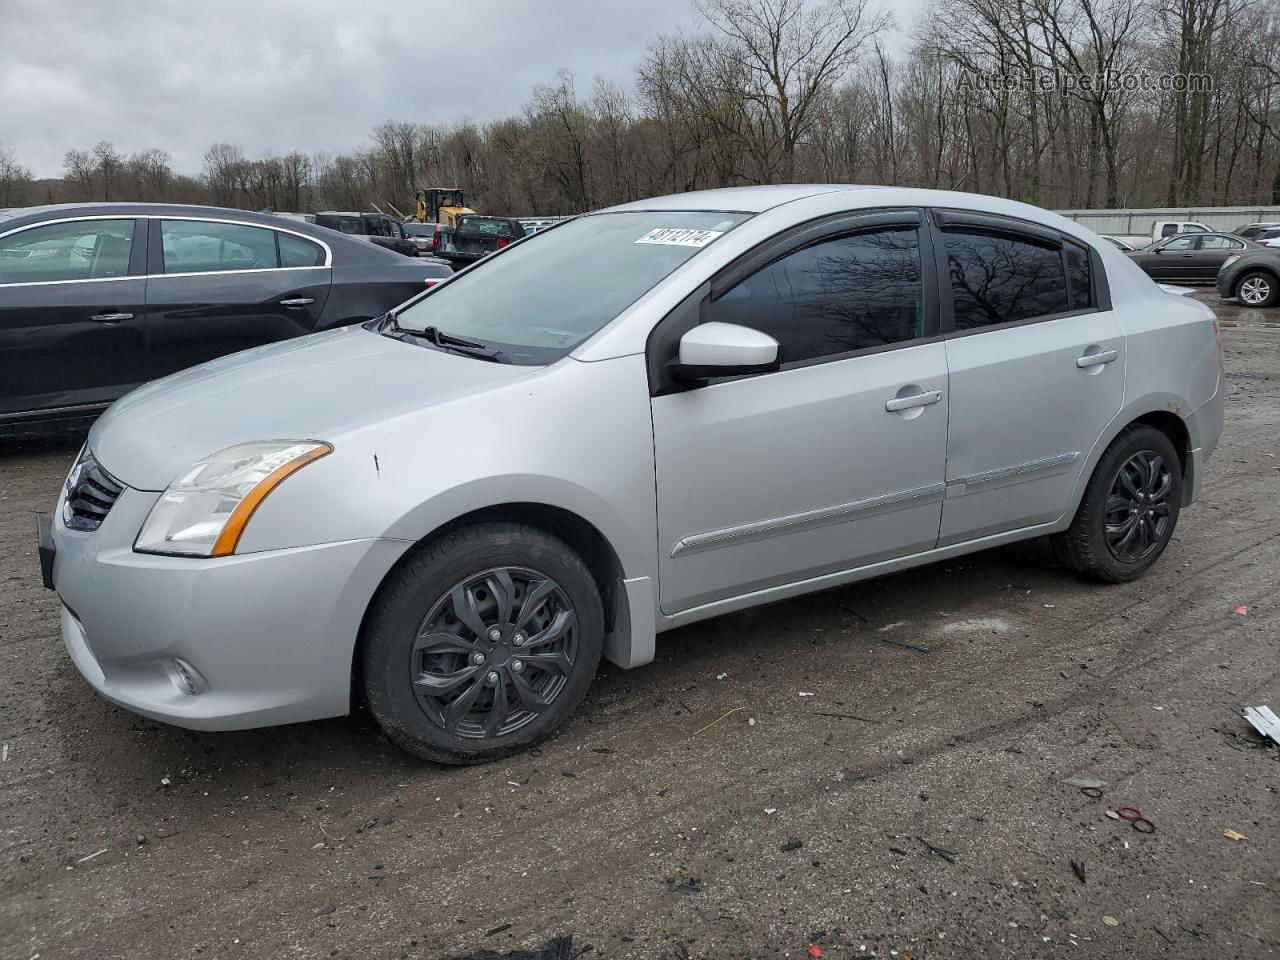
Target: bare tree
(108,164)
(78,166)
(15,179)
(223,172)
(789,54)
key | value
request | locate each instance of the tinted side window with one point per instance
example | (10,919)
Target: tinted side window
(296,252)
(849,293)
(83,250)
(998,279)
(1168,230)
(1078,277)
(198,246)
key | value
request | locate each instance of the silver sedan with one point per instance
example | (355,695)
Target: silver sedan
(630,421)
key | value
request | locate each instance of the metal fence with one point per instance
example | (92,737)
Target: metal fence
(1133,222)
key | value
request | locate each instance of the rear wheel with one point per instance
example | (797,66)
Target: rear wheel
(482,644)
(1257,288)
(1129,509)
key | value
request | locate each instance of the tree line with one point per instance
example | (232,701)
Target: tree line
(1062,103)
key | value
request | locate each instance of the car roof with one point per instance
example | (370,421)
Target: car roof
(355,252)
(736,199)
(52,210)
(755,200)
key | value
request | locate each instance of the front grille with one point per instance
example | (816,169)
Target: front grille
(91,493)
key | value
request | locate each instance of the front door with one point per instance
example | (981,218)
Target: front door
(1036,365)
(1176,260)
(72,303)
(832,462)
(217,288)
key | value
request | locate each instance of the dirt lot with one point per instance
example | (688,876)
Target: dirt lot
(776,779)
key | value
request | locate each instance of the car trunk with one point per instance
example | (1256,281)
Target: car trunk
(477,238)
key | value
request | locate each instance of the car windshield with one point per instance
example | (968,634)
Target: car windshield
(537,300)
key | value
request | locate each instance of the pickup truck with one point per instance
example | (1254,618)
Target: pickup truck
(477,236)
(1160,230)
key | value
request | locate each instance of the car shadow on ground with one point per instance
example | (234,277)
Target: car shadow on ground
(142,766)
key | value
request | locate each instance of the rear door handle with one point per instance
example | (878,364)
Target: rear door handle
(110,317)
(294,302)
(915,400)
(1093,359)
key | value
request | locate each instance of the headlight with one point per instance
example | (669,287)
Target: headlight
(204,512)
(1230,260)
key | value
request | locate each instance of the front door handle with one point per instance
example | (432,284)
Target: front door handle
(293,303)
(895,404)
(111,317)
(1094,359)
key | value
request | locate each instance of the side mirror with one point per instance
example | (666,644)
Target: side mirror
(724,350)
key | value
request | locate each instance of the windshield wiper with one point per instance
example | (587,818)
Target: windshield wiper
(447,341)
(442,339)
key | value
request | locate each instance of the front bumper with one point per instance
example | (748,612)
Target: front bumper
(214,644)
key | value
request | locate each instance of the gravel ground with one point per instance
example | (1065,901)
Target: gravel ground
(836,786)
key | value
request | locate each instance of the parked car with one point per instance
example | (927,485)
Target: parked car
(376,228)
(651,415)
(1163,229)
(1252,277)
(98,298)
(477,236)
(1190,257)
(426,237)
(1120,244)
(1268,237)
(1251,231)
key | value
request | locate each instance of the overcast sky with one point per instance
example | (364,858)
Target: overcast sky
(278,75)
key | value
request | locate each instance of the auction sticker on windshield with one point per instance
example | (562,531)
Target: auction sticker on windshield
(680,236)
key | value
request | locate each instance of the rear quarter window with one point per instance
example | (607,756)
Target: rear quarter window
(297,252)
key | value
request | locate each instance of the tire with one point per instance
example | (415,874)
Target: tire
(1129,510)
(424,682)
(1258,288)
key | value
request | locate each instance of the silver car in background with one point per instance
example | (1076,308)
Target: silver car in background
(630,421)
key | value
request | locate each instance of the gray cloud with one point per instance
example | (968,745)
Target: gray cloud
(277,75)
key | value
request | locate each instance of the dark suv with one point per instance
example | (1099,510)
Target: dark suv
(377,228)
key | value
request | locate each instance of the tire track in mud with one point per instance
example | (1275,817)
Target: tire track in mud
(627,846)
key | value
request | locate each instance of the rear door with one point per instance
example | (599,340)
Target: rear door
(72,304)
(217,287)
(832,462)
(1212,250)
(1036,361)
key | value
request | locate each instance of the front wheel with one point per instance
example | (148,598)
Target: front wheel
(1129,508)
(1257,288)
(482,643)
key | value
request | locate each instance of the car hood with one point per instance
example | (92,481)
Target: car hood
(312,388)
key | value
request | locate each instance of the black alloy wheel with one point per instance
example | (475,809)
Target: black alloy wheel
(494,652)
(1138,514)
